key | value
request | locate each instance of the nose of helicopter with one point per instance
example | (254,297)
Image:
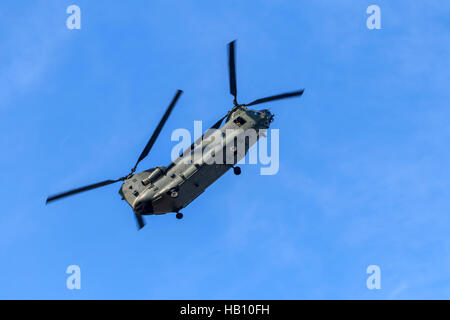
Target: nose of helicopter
(268,116)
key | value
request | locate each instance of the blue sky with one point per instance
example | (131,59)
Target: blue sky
(364,153)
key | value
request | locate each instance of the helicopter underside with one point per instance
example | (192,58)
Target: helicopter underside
(162,190)
(184,192)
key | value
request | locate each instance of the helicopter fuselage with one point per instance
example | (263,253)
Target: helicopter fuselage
(162,190)
(169,189)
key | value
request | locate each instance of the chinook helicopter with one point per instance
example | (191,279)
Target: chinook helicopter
(168,189)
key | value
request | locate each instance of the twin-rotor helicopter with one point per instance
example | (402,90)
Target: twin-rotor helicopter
(161,189)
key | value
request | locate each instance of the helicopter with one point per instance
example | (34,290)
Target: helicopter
(162,190)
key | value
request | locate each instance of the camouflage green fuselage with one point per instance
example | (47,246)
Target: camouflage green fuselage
(161,190)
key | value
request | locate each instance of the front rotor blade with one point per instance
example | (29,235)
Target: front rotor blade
(158,129)
(82,189)
(276,97)
(232,70)
(218,123)
(140,220)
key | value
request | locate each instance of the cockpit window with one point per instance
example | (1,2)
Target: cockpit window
(239,121)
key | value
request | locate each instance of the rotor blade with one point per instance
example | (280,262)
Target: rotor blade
(232,70)
(82,189)
(276,97)
(158,129)
(140,221)
(218,123)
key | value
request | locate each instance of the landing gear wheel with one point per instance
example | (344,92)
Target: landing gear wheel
(179,215)
(237,170)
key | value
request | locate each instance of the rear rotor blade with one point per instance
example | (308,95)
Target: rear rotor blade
(157,130)
(232,70)
(82,189)
(276,97)
(140,221)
